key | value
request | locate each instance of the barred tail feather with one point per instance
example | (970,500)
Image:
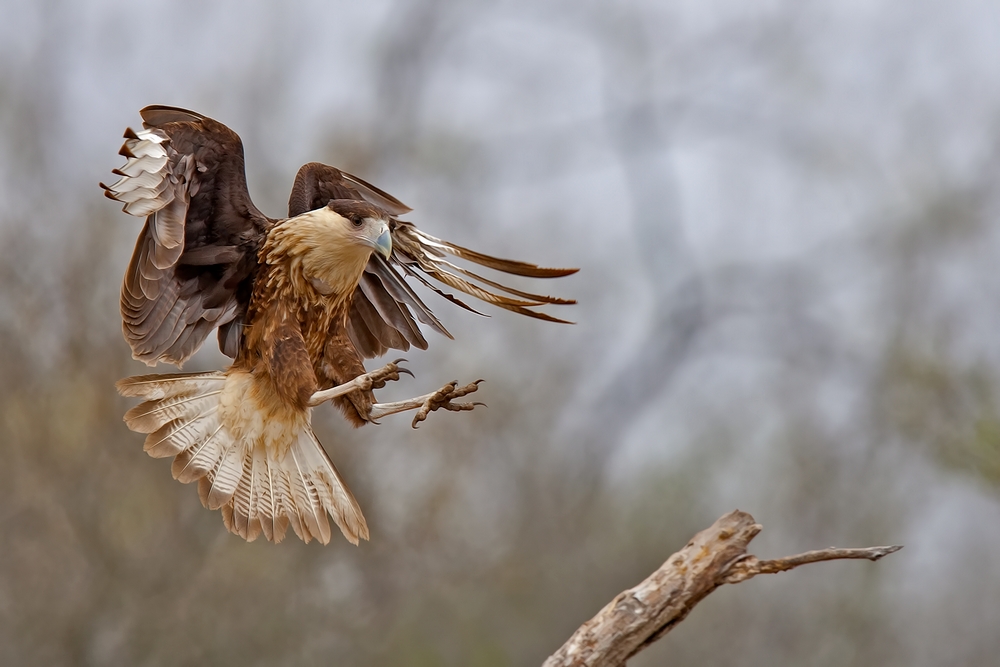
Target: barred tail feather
(263,479)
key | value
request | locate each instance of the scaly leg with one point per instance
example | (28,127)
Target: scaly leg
(442,398)
(374,380)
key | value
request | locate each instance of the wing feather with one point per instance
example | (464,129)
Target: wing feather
(196,255)
(386,336)
(392,311)
(402,293)
(361,335)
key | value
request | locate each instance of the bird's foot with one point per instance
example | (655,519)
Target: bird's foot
(441,399)
(373,380)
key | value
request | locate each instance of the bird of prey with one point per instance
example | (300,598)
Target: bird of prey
(299,303)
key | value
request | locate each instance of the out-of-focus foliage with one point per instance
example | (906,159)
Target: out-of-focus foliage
(785,217)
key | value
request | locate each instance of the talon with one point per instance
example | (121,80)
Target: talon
(399,369)
(443,398)
(388,373)
(467,389)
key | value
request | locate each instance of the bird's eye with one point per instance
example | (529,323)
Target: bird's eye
(358,222)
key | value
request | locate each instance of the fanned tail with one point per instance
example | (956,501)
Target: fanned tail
(262,471)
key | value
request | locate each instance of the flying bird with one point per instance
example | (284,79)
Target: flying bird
(298,303)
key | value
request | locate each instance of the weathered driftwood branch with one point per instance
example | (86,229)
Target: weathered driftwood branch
(639,616)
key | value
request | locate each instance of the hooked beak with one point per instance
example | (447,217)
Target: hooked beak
(383,244)
(376,236)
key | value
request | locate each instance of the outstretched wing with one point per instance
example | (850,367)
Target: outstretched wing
(194,261)
(384,309)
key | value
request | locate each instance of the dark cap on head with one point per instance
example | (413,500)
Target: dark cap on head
(355,210)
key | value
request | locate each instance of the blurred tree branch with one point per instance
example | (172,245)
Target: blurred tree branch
(643,614)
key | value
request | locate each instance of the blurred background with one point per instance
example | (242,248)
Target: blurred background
(785,218)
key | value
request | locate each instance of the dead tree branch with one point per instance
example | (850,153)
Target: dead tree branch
(639,616)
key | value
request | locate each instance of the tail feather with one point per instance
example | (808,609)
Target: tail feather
(149,416)
(224,478)
(245,521)
(264,491)
(305,495)
(282,490)
(155,387)
(332,489)
(201,449)
(262,486)
(174,438)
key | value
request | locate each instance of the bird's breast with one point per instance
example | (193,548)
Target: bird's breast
(321,286)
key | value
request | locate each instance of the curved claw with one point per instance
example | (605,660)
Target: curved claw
(388,373)
(400,369)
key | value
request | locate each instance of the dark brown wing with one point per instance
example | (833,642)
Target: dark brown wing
(316,184)
(384,306)
(194,261)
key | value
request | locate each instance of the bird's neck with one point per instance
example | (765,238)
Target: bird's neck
(305,277)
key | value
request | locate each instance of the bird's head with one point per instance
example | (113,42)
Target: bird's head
(361,225)
(333,244)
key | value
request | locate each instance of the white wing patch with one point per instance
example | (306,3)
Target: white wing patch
(143,179)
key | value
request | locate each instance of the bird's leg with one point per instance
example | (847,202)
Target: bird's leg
(374,380)
(442,398)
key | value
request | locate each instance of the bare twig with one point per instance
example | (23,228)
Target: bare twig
(749,566)
(639,616)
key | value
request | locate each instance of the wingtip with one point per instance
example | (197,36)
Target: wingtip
(543,316)
(156,115)
(511,266)
(376,195)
